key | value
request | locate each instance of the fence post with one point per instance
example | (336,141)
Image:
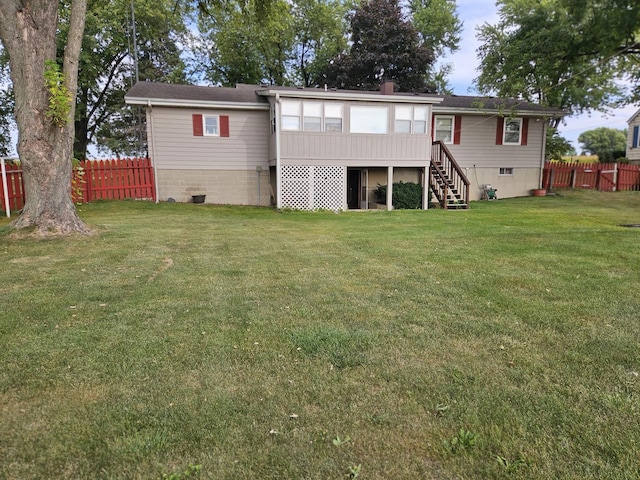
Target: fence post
(551,175)
(573,178)
(5,189)
(598,175)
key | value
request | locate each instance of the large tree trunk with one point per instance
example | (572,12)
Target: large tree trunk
(28,29)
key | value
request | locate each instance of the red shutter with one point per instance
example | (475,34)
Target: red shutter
(499,130)
(224,125)
(457,128)
(197,125)
(525,131)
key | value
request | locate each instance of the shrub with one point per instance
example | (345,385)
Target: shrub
(405,195)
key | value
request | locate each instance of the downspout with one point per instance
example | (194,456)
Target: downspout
(544,147)
(278,166)
(153,149)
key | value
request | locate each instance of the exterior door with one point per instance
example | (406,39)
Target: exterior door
(353,189)
(364,187)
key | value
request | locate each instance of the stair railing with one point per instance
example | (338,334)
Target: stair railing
(447,177)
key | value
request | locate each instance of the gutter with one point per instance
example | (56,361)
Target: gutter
(153,150)
(278,166)
(362,97)
(194,104)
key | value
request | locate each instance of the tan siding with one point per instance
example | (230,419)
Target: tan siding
(633,154)
(478,145)
(177,148)
(343,148)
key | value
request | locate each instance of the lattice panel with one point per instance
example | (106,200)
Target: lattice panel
(313,187)
(329,187)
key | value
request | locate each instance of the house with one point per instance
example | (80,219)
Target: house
(633,138)
(319,148)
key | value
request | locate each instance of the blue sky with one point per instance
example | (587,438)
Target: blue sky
(474,13)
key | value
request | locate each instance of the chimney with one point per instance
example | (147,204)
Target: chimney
(387,87)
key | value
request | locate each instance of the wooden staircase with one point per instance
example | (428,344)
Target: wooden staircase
(447,181)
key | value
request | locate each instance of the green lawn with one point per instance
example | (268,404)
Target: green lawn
(196,341)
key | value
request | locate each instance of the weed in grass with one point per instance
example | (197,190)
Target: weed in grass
(354,471)
(338,442)
(463,440)
(510,465)
(191,472)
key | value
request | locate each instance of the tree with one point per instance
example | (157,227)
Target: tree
(320,35)
(384,46)
(608,144)
(107,67)
(557,146)
(568,54)
(44,108)
(439,27)
(6,105)
(243,43)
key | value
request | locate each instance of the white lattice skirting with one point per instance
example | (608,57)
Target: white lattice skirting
(307,187)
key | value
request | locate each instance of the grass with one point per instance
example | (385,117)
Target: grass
(189,341)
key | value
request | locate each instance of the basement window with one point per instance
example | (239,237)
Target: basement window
(506,171)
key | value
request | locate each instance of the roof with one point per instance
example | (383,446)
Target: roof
(633,117)
(245,96)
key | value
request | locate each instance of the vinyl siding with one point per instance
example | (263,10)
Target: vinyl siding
(176,147)
(478,145)
(633,153)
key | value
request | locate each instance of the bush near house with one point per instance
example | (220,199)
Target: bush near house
(406,195)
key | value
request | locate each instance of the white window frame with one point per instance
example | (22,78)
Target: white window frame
(309,113)
(205,130)
(412,117)
(452,129)
(506,171)
(290,109)
(331,106)
(508,121)
(360,117)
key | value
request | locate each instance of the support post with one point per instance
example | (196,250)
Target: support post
(390,188)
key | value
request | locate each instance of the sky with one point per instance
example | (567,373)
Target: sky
(474,13)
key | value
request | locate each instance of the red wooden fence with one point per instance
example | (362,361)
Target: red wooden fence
(129,178)
(606,177)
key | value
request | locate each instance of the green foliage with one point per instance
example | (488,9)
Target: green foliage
(557,146)
(567,54)
(608,144)
(463,440)
(60,98)
(106,68)
(384,46)
(406,195)
(6,104)
(192,471)
(440,28)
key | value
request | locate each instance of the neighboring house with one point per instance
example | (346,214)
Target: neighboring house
(318,148)
(633,138)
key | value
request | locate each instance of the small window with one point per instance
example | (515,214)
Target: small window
(512,130)
(333,117)
(290,115)
(444,126)
(403,119)
(420,120)
(505,171)
(210,126)
(411,119)
(369,120)
(312,120)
